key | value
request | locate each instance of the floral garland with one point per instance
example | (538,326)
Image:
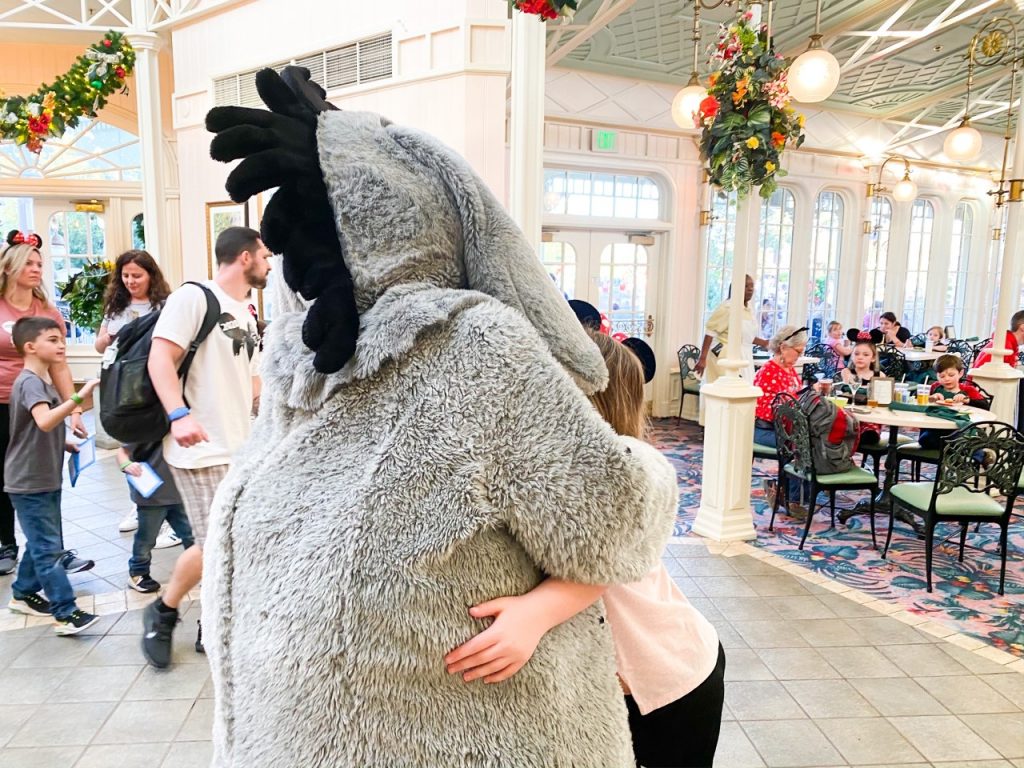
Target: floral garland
(84,293)
(81,91)
(546,9)
(746,118)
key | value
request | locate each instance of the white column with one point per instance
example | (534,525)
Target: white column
(724,513)
(1000,379)
(151,137)
(526,178)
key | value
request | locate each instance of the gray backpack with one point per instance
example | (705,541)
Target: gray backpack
(834,433)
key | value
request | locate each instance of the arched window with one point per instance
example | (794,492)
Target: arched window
(959,253)
(15,213)
(721,243)
(138,232)
(94,151)
(826,252)
(922,215)
(608,195)
(75,239)
(878,254)
(775,255)
(559,259)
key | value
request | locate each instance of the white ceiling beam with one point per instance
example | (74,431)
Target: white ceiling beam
(608,12)
(951,122)
(886,25)
(950,92)
(830,33)
(939,23)
(924,134)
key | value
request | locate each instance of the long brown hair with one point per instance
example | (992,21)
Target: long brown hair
(622,401)
(117,299)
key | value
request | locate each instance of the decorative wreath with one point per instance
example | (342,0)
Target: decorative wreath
(746,117)
(80,92)
(546,9)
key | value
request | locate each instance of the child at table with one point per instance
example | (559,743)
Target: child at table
(836,341)
(937,337)
(858,374)
(949,369)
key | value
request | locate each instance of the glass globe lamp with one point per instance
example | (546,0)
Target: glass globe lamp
(814,75)
(963,144)
(687,102)
(905,190)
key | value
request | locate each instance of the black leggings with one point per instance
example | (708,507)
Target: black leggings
(6,508)
(683,734)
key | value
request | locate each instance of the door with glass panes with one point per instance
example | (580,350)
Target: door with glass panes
(614,271)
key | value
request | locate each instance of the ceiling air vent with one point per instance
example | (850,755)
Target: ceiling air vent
(363,61)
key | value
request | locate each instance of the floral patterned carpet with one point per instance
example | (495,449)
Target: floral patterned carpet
(965,595)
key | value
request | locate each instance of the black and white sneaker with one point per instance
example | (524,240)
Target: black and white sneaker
(144,583)
(74,564)
(31,605)
(75,623)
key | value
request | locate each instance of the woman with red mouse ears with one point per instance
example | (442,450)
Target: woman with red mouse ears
(22,295)
(670,664)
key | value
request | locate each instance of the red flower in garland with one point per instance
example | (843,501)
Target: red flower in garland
(709,107)
(39,125)
(778,139)
(538,7)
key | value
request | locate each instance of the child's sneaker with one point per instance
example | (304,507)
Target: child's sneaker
(144,583)
(31,605)
(75,623)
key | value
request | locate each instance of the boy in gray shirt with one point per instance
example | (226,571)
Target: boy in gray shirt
(32,473)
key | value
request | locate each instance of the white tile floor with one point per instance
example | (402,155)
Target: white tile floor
(814,678)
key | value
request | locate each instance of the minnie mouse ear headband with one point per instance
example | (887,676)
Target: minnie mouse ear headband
(874,335)
(590,317)
(14,237)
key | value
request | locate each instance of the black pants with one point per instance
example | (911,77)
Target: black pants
(683,734)
(6,508)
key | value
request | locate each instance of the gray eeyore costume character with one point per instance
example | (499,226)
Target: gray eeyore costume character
(424,444)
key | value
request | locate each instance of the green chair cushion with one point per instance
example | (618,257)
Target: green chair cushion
(915,451)
(767,451)
(959,501)
(849,477)
(691,385)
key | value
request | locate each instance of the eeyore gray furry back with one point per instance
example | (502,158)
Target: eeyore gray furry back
(364,205)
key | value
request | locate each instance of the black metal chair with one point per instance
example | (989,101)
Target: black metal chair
(892,362)
(689,383)
(917,340)
(793,435)
(811,370)
(771,453)
(975,460)
(978,348)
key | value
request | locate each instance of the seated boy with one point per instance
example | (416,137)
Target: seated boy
(949,387)
(35,460)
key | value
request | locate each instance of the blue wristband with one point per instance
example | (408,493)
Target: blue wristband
(178,413)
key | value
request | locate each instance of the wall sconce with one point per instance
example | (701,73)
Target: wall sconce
(706,218)
(866,226)
(903,190)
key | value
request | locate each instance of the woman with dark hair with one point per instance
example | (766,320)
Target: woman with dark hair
(892,331)
(136,288)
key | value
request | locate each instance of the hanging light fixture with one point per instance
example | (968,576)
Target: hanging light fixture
(963,143)
(814,75)
(687,101)
(903,190)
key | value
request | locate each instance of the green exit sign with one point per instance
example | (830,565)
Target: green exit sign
(604,141)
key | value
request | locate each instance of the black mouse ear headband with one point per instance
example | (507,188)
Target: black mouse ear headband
(856,335)
(590,317)
(15,237)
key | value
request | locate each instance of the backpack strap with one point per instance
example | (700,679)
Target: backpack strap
(212,314)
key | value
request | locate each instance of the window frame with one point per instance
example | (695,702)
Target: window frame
(724,218)
(913,313)
(959,264)
(784,266)
(833,262)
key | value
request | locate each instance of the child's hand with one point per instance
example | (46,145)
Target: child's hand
(938,397)
(70,447)
(503,648)
(88,387)
(960,397)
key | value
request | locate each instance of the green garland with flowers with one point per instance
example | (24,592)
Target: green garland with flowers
(80,92)
(746,117)
(546,9)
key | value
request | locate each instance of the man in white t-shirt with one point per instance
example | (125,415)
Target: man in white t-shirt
(220,389)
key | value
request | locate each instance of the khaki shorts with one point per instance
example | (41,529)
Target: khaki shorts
(196,488)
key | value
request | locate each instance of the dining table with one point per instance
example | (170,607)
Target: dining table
(896,420)
(921,355)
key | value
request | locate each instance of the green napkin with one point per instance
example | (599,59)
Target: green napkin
(938,411)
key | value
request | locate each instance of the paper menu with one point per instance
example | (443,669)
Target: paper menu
(146,483)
